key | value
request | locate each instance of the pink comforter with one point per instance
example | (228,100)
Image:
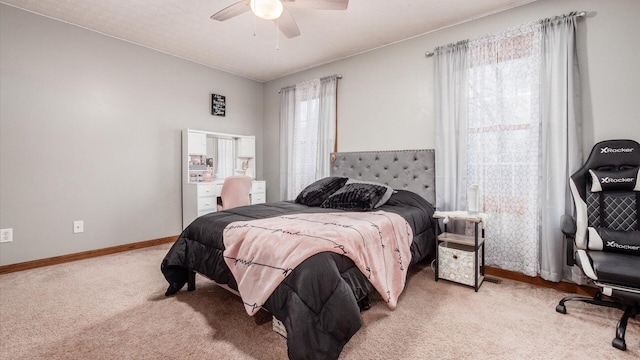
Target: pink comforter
(261,253)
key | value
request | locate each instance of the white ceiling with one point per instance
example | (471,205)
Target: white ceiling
(183,28)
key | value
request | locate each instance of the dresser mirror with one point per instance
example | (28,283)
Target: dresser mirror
(211,156)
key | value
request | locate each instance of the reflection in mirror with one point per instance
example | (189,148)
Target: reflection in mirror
(212,157)
(220,156)
(224,167)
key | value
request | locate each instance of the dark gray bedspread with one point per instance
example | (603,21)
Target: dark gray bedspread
(319,309)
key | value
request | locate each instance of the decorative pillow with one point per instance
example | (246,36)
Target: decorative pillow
(317,192)
(355,196)
(612,180)
(386,195)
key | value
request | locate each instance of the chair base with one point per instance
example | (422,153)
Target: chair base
(629,311)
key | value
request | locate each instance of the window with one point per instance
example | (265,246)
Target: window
(507,119)
(503,152)
(305,143)
(307,133)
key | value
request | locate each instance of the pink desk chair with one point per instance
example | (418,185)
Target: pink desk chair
(235,192)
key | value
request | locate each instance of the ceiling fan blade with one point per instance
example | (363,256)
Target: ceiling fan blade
(287,24)
(230,11)
(318,4)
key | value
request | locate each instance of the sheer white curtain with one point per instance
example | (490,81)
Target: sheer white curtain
(307,133)
(519,98)
(304,149)
(503,147)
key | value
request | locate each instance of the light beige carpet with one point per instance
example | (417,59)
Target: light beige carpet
(113,307)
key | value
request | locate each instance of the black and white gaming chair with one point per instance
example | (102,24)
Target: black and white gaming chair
(606,228)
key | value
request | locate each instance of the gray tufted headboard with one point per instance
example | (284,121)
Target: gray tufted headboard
(412,170)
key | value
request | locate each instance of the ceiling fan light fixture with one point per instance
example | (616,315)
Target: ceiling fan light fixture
(267,9)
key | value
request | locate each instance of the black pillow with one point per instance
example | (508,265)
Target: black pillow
(385,197)
(317,192)
(612,180)
(355,196)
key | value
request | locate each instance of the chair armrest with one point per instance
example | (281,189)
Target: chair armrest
(568,225)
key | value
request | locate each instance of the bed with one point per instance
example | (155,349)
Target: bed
(318,300)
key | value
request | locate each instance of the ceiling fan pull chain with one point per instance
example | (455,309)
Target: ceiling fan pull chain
(254,25)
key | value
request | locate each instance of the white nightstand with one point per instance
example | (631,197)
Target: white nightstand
(460,258)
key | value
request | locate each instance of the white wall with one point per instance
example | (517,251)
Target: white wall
(386,96)
(90,130)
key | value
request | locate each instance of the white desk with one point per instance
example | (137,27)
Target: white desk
(202,198)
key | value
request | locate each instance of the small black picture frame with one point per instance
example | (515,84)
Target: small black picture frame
(218,105)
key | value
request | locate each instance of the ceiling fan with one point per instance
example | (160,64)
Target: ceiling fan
(277,10)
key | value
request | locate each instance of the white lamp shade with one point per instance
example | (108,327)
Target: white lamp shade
(267,9)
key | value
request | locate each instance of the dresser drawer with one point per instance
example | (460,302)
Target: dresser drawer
(258,198)
(258,187)
(208,190)
(207,203)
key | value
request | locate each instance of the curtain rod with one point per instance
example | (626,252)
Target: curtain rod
(431,53)
(337,76)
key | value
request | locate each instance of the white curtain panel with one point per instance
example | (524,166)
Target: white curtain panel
(561,140)
(451,80)
(326,125)
(307,133)
(287,117)
(520,107)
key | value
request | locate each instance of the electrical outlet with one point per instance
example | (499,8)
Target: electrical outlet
(6,235)
(78,226)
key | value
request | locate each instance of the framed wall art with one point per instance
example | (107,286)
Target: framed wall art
(218,105)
